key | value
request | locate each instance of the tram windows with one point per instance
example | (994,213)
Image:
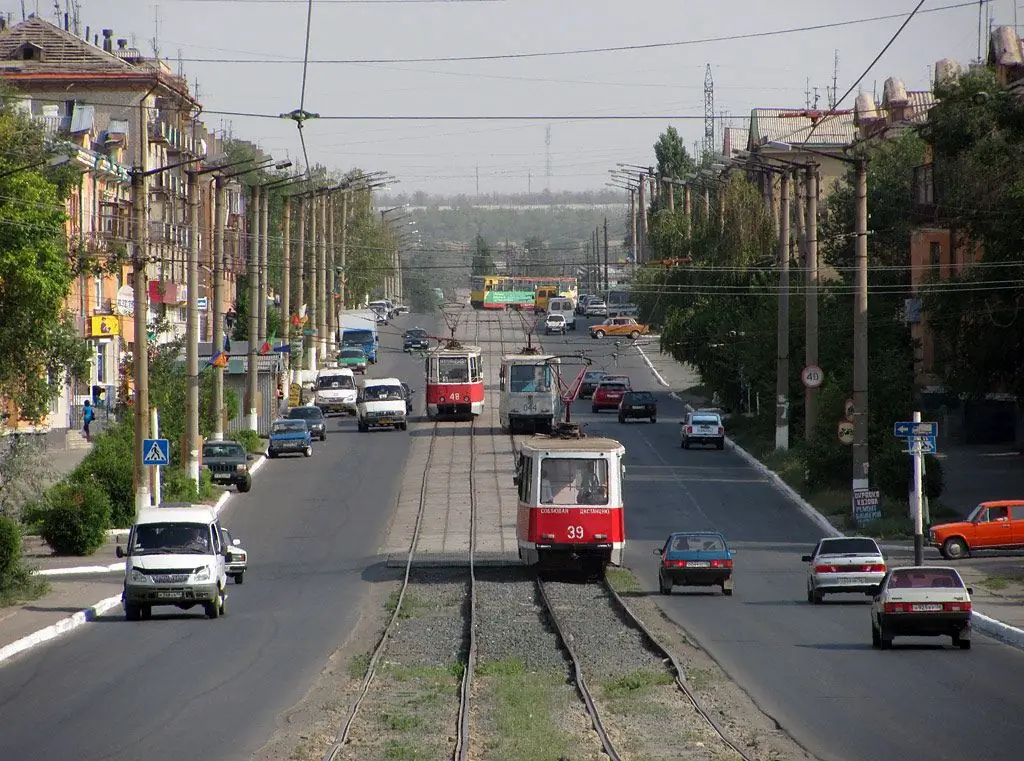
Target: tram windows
(452,370)
(475,369)
(525,479)
(572,481)
(529,378)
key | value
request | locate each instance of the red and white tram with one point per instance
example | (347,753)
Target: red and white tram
(455,381)
(570,513)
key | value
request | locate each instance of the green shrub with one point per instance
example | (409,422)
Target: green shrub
(109,464)
(250,440)
(17,582)
(10,547)
(77,517)
(891,470)
(176,486)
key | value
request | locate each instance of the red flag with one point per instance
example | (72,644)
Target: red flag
(265,348)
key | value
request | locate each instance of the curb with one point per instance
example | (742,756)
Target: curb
(121,533)
(650,366)
(63,626)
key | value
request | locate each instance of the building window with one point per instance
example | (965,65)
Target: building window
(935,254)
(97,285)
(101,362)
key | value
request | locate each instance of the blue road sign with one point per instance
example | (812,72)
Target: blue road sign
(202,303)
(908,429)
(922,445)
(156,452)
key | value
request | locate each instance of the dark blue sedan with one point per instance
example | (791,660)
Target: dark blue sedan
(290,437)
(695,559)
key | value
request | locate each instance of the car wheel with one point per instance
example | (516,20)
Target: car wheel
(727,588)
(308,452)
(663,586)
(363,428)
(622,419)
(147,612)
(720,444)
(271,455)
(884,639)
(403,427)
(132,612)
(594,409)
(955,549)
(212,609)
(654,419)
(598,334)
(239,578)
(876,640)
(817,597)
(244,485)
(323,437)
(634,335)
(810,596)
(962,643)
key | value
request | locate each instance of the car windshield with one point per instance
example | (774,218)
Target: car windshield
(593,376)
(223,449)
(289,426)
(573,481)
(416,333)
(854,546)
(305,413)
(383,393)
(527,378)
(705,420)
(353,354)
(556,318)
(640,397)
(925,578)
(613,387)
(356,337)
(335,382)
(171,539)
(697,543)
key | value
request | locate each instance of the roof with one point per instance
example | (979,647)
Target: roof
(697,533)
(734,138)
(794,125)
(59,47)
(566,446)
(194,514)
(921,102)
(380,382)
(535,358)
(465,349)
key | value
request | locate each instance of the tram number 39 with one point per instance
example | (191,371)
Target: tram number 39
(575,532)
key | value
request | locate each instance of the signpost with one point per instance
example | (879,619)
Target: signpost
(156,452)
(812,376)
(920,438)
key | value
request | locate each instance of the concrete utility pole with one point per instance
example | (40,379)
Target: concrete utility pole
(314,275)
(140,205)
(782,355)
(707,204)
(632,226)
(688,210)
(861,466)
(286,292)
(332,304)
(811,350)
(192,447)
(642,214)
(344,247)
(251,370)
(220,222)
(300,290)
(672,194)
(264,217)
(606,285)
(321,283)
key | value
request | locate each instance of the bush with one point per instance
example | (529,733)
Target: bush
(109,464)
(250,440)
(891,472)
(17,582)
(10,547)
(77,517)
(176,486)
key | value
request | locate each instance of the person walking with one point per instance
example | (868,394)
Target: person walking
(88,413)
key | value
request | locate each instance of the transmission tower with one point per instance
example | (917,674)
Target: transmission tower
(547,158)
(709,113)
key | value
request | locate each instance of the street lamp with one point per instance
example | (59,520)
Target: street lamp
(861,466)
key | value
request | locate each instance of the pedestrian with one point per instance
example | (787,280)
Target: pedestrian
(87,417)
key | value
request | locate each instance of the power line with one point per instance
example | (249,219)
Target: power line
(587,51)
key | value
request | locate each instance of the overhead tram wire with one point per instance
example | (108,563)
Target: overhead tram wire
(597,50)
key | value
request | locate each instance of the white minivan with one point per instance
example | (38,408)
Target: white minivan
(381,403)
(563,306)
(336,390)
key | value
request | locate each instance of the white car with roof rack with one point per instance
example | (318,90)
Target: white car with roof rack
(847,564)
(921,601)
(703,428)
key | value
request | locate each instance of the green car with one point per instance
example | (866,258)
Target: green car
(353,358)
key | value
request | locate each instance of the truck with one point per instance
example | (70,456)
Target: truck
(359,328)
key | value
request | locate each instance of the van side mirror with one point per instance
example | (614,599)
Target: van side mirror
(377,339)
(970,590)
(806,559)
(236,542)
(515,480)
(658,551)
(119,551)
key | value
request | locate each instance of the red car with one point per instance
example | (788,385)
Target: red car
(608,395)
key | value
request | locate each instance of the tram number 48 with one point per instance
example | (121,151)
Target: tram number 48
(575,532)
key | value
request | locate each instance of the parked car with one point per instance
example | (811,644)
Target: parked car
(314,418)
(415,339)
(607,395)
(843,564)
(702,428)
(695,559)
(554,323)
(228,464)
(921,601)
(996,525)
(353,358)
(590,380)
(237,561)
(638,404)
(290,437)
(619,326)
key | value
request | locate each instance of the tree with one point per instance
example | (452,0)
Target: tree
(483,262)
(673,158)
(35,276)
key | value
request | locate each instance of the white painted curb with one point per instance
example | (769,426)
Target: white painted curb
(1010,635)
(63,626)
(650,366)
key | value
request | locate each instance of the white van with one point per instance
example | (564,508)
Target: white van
(381,403)
(175,556)
(336,390)
(563,306)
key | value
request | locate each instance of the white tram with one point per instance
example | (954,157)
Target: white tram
(530,398)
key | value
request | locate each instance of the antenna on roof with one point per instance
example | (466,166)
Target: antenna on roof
(833,94)
(156,31)
(807,93)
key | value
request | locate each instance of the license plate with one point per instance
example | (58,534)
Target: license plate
(168,595)
(705,430)
(926,607)
(698,564)
(638,409)
(222,477)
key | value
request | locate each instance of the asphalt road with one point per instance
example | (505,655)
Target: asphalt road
(811,668)
(184,687)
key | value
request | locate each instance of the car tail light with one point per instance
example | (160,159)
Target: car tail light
(825,569)
(956,607)
(873,568)
(721,564)
(897,607)
(721,430)
(675,564)
(689,429)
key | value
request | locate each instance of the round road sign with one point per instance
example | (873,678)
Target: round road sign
(812,376)
(845,431)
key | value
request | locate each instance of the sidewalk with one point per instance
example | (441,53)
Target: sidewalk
(973,473)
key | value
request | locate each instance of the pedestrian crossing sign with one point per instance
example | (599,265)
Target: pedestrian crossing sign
(156,452)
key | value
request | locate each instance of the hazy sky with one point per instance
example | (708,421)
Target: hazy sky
(445,156)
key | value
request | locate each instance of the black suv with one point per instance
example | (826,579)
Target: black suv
(314,418)
(228,464)
(638,404)
(415,339)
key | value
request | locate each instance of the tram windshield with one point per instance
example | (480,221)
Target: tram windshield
(528,378)
(571,481)
(453,369)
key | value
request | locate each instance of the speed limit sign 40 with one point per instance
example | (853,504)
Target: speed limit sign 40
(812,376)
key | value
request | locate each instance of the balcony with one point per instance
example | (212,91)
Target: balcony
(929,195)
